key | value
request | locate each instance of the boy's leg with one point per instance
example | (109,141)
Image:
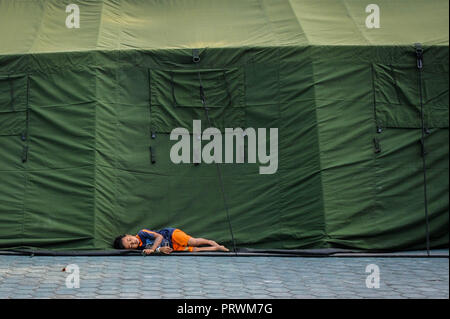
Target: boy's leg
(180,241)
(211,248)
(183,242)
(195,242)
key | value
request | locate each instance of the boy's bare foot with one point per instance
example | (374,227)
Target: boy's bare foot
(222,248)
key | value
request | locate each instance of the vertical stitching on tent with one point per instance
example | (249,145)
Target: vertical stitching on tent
(419,57)
(279,202)
(377,125)
(11,92)
(116,77)
(25,163)
(149,83)
(322,193)
(280,135)
(95,153)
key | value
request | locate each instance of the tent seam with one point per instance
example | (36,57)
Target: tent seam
(116,124)
(39,30)
(326,236)
(95,156)
(280,189)
(261,5)
(100,24)
(95,125)
(298,22)
(355,24)
(119,37)
(26,163)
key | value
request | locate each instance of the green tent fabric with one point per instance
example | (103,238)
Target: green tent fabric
(79,106)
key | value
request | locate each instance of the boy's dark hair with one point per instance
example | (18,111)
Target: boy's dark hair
(118,242)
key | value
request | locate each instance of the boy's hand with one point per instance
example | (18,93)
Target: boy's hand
(148,251)
(165,250)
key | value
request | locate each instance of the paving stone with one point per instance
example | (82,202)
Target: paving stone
(66,292)
(131,295)
(261,296)
(171,296)
(280,295)
(105,296)
(281,290)
(419,296)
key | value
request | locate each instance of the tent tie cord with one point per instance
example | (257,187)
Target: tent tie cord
(196,60)
(419,64)
(151,149)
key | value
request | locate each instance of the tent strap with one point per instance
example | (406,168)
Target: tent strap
(419,63)
(196,60)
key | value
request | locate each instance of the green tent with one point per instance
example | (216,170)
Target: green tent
(90,92)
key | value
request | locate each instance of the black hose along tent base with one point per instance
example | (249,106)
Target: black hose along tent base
(90,93)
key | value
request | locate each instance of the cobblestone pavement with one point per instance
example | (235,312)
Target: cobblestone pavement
(222,277)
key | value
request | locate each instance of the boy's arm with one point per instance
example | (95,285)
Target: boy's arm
(158,239)
(155,245)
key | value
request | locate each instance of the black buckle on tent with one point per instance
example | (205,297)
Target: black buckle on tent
(152,155)
(419,55)
(25,154)
(422,148)
(376,143)
(195,55)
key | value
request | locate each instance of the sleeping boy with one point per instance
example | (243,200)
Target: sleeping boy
(165,241)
